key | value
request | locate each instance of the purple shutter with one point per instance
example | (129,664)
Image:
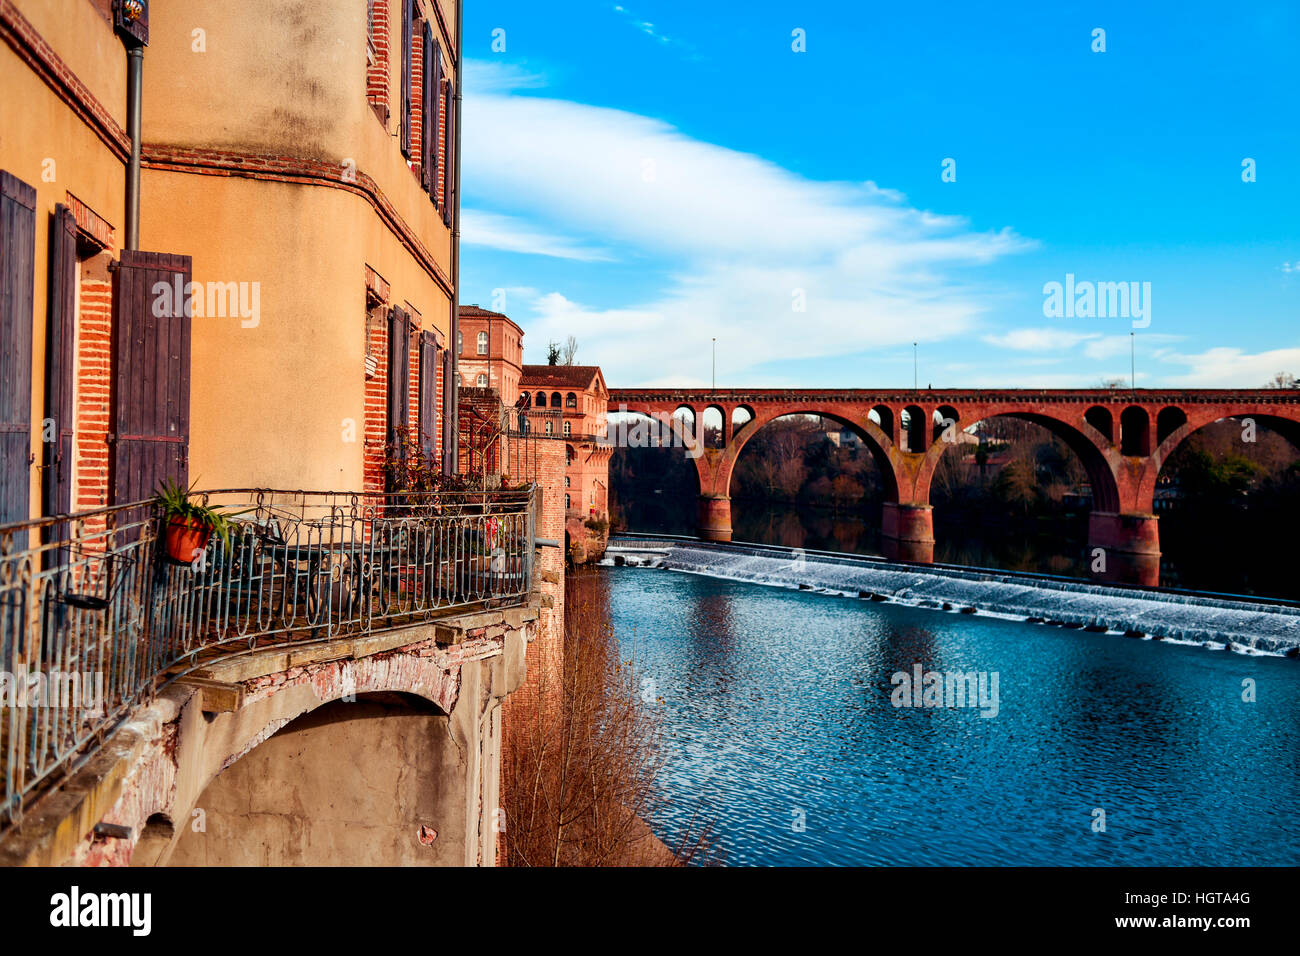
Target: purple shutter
(432,82)
(151,374)
(428,392)
(408,18)
(399,372)
(450,168)
(17,286)
(59,368)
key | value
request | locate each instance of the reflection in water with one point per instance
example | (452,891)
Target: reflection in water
(780,731)
(822,530)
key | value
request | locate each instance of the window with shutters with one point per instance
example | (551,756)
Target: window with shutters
(17,288)
(432,115)
(482,343)
(408,43)
(448,138)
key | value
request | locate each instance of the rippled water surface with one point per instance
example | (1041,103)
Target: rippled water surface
(778,716)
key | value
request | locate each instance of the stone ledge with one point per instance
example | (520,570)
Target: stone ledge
(56,824)
(451,630)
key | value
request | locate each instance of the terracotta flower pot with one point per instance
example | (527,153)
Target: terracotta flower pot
(186,539)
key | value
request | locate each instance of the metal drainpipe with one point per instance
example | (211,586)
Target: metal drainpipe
(451,460)
(134,83)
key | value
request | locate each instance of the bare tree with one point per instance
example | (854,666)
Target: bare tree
(1283,380)
(570,351)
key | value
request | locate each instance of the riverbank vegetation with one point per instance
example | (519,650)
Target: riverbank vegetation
(583,768)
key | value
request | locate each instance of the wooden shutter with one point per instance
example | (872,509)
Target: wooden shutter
(408,21)
(60,371)
(150,440)
(399,371)
(17,286)
(428,392)
(449,169)
(431,125)
(449,444)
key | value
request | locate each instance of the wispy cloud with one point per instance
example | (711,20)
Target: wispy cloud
(776,265)
(646,27)
(480,228)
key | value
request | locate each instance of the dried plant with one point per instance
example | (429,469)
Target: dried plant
(583,765)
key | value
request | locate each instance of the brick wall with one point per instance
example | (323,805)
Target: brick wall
(91,390)
(417,95)
(545,656)
(376,411)
(413,379)
(377,73)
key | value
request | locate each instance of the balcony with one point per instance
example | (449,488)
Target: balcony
(96,617)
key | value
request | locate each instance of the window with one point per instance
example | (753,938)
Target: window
(482,343)
(571,401)
(541,400)
(555,399)
(482,380)
(408,48)
(460,342)
(566,502)
(548,426)
(568,428)
(566,481)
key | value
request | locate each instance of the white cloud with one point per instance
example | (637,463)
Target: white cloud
(734,236)
(1040,340)
(480,228)
(1233,368)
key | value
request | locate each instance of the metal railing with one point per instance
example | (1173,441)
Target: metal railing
(96,615)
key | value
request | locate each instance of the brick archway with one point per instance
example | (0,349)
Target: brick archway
(1122,438)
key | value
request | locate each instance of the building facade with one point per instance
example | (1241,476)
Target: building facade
(490,352)
(285,298)
(580,392)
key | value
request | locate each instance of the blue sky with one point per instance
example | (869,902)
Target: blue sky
(647,176)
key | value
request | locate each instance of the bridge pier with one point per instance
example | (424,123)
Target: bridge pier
(1130,546)
(907,532)
(715,518)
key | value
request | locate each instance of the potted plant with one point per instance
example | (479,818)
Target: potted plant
(188,525)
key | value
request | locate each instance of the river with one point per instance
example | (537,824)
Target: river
(783,734)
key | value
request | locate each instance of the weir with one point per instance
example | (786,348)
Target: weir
(1262,626)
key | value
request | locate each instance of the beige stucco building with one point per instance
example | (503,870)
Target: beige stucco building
(297,164)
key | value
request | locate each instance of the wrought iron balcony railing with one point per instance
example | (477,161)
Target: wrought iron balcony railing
(95,616)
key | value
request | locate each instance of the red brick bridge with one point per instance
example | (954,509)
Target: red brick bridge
(1122,438)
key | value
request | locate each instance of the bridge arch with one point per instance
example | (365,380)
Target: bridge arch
(1096,456)
(1283,419)
(873,439)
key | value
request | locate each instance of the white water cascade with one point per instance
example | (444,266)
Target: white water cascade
(1246,624)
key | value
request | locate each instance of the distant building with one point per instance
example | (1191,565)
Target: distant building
(579,390)
(491,351)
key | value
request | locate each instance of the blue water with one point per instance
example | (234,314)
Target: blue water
(782,736)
